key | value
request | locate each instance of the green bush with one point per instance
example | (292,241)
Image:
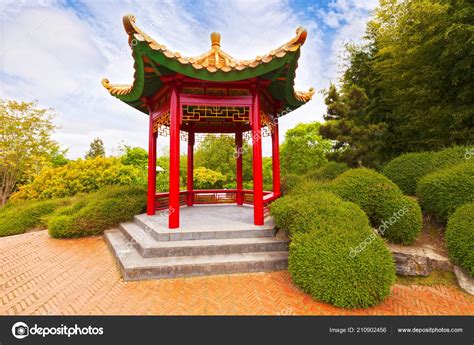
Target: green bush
(398,217)
(96,212)
(19,217)
(460,237)
(289,181)
(81,176)
(407,169)
(313,211)
(328,171)
(323,263)
(443,191)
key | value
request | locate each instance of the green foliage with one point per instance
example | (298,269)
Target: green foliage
(313,211)
(408,168)
(25,144)
(398,217)
(97,212)
(135,156)
(442,191)
(303,149)
(290,181)
(460,237)
(355,141)
(80,176)
(96,149)
(19,217)
(208,179)
(416,73)
(328,171)
(321,264)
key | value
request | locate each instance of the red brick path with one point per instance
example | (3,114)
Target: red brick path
(40,275)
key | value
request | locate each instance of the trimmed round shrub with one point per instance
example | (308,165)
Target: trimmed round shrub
(97,212)
(328,171)
(407,169)
(443,191)
(397,217)
(460,237)
(324,264)
(19,217)
(301,213)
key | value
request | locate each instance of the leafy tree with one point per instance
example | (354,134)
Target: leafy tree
(303,149)
(25,143)
(416,71)
(96,149)
(208,179)
(135,156)
(355,141)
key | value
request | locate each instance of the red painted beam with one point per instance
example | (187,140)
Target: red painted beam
(275,158)
(257,159)
(190,177)
(173,221)
(239,177)
(150,207)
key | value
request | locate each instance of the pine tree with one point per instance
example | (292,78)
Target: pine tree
(96,149)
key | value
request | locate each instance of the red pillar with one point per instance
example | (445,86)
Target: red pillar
(275,158)
(150,207)
(173,221)
(239,178)
(257,160)
(189,178)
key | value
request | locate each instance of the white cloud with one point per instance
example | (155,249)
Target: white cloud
(58,56)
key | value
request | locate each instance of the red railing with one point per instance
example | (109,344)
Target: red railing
(214,196)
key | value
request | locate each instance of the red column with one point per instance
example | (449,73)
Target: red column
(257,160)
(189,178)
(239,178)
(173,221)
(150,207)
(275,158)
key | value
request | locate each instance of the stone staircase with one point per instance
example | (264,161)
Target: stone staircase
(146,249)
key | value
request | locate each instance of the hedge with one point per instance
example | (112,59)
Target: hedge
(313,211)
(19,217)
(398,217)
(290,181)
(328,171)
(441,192)
(407,169)
(460,237)
(97,212)
(323,263)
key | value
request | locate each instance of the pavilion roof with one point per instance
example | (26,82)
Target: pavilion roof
(153,61)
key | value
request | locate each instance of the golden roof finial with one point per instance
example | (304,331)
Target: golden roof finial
(215,39)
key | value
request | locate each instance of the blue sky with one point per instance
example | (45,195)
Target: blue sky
(57,52)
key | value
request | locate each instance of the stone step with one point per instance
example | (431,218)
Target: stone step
(158,229)
(136,267)
(148,247)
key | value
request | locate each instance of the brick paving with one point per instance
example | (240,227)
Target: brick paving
(45,276)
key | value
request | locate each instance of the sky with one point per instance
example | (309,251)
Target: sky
(57,52)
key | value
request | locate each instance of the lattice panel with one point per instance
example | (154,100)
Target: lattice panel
(199,113)
(161,125)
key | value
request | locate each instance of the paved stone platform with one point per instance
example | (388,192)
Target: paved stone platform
(40,275)
(212,239)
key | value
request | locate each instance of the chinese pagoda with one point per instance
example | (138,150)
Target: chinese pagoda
(185,97)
